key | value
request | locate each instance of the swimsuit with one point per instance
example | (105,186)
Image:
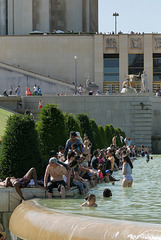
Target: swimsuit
(23,182)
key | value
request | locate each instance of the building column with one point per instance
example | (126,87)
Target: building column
(123,58)
(2,17)
(11,17)
(98,61)
(148,60)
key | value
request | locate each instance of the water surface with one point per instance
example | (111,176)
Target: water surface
(140,203)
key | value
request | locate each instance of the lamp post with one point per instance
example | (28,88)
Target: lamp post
(115,15)
(75,89)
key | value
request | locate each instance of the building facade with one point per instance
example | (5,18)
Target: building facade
(132,54)
(104,59)
(19,17)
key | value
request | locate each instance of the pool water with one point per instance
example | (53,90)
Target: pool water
(140,203)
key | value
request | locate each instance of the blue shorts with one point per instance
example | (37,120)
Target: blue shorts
(128,178)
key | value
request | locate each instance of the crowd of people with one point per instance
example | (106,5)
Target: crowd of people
(17,91)
(75,165)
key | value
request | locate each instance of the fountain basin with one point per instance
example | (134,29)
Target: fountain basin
(31,221)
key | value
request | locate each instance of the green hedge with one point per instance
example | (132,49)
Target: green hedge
(71,124)
(51,128)
(86,128)
(20,149)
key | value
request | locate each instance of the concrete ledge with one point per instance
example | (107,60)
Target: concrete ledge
(9,199)
(34,222)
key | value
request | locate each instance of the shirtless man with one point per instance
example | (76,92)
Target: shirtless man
(18,183)
(56,172)
(114,140)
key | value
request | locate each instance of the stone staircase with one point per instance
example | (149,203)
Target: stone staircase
(141,120)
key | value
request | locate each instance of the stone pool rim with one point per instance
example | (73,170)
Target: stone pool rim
(32,221)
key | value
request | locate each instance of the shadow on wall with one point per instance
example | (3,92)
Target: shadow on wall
(156,144)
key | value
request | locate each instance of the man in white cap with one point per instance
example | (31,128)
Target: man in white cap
(56,172)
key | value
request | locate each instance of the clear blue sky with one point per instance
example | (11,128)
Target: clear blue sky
(137,15)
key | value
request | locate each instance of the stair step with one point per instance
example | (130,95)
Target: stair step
(137,111)
(142,120)
(142,128)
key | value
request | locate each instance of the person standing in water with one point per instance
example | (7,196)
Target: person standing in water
(127,171)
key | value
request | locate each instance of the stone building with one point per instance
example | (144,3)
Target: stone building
(19,17)
(104,59)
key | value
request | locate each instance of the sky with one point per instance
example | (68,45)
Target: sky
(137,16)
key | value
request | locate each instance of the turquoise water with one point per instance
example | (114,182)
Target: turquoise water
(140,203)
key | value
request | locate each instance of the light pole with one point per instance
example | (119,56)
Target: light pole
(76,59)
(115,15)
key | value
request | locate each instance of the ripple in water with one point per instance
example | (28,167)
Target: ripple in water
(140,203)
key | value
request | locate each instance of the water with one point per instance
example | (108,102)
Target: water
(140,203)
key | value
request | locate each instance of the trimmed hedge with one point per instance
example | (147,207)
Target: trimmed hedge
(71,123)
(20,149)
(86,128)
(51,128)
(108,135)
(103,140)
(96,133)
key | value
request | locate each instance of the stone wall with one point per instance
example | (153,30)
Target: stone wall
(9,200)
(138,115)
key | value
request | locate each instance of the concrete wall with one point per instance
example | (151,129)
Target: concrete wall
(14,76)
(74,17)
(2,17)
(138,115)
(41,15)
(51,55)
(120,111)
(20,17)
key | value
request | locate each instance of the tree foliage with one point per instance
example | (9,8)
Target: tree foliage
(95,131)
(51,128)
(108,135)
(103,140)
(20,149)
(71,123)
(86,128)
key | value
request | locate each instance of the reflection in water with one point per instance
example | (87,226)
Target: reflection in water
(139,203)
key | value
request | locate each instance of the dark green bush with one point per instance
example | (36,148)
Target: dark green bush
(118,140)
(51,128)
(71,123)
(112,130)
(95,131)
(108,135)
(121,133)
(20,149)
(86,128)
(103,140)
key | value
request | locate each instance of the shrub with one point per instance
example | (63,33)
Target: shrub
(20,149)
(112,130)
(71,123)
(118,140)
(86,128)
(108,135)
(51,128)
(95,131)
(121,133)
(103,141)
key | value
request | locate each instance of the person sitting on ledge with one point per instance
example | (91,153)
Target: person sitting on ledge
(19,183)
(56,172)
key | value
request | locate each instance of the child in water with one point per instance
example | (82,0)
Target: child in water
(100,173)
(147,157)
(107,193)
(91,201)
